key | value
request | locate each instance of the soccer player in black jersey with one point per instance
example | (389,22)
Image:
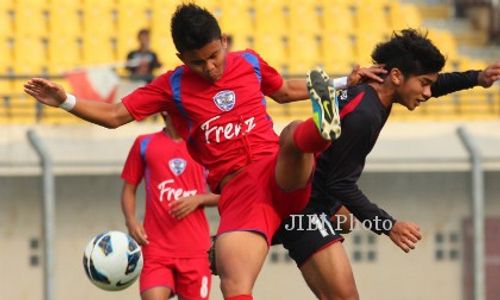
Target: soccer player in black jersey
(413,64)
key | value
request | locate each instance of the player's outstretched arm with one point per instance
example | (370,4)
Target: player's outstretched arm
(405,235)
(296,89)
(456,81)
(104,114)
(128,200)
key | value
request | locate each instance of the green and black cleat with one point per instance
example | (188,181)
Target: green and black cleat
(325,106)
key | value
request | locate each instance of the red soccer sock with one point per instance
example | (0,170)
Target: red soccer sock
(240,297)
(306,137)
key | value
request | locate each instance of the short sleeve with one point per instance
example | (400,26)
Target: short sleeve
(271,80)
(149,99)
(133,170)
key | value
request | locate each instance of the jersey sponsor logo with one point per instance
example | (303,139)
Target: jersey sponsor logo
(177,166)
(225,100)
(343,95)
(172,193)
(226,131)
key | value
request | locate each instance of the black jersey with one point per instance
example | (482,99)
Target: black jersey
(362,118)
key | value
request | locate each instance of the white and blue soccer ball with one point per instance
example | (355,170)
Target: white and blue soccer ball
(112,260)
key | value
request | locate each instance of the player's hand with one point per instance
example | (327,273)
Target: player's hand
(136,230)
(359,75)
(45,91)
(489,75)
(184,206)
(405,235)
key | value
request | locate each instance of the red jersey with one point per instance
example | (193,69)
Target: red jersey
(170,173)
(225,123)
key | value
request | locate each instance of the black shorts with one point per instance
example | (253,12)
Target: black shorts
(306,233)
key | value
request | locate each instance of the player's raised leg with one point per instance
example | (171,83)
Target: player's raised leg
(336,281)
(238,264)
(299,140)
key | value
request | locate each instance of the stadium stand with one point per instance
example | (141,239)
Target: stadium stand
(51,37)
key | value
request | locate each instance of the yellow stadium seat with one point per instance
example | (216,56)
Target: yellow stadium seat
(29,55)
(75,4)
(211,5)
(445,41)
(348,3)
(272,49)
(165,49)
(337,53)
(30,21)
(242,41)
(303,54)
(337,19)
(371,19)
(6,22)
(161,14)
(304,17)
(403,16)
(98,4)
(125,45)
(299,110)
(270,17)
(235,17)
(6,51)
(471,64)
(98,50)
(64,21)
(364,46)
(132,16)
(22,110)
(64,54)
(6,4)
(5,89)
(98,18)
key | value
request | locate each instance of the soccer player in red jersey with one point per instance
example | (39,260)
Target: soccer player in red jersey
(216,102)
(175,236)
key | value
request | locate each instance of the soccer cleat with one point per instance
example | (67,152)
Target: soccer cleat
(325,106)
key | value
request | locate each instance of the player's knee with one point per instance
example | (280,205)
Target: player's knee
(286,136)
(348,291)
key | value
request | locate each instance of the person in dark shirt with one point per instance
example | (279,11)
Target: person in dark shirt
(413,63)
(142,62)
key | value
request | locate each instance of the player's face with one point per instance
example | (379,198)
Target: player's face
(144,40)
(415,89)
(208,61)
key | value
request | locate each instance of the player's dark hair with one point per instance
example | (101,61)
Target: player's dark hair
(143,31)
(193,27)
(411,52)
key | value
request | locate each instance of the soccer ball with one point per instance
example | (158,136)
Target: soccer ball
(112,260)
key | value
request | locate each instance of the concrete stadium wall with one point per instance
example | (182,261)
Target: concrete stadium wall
(86,205)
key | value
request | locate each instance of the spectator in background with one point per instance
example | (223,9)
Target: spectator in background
(142,62)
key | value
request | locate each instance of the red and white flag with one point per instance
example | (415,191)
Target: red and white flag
(94,83)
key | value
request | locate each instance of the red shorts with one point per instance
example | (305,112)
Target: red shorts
(253,201)
(190,278)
